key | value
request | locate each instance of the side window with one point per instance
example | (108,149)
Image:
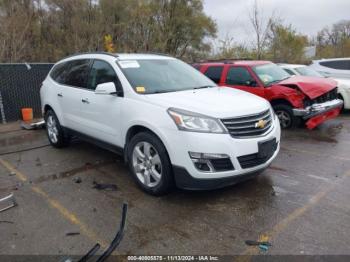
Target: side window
(59,72)
(102,72)
(289,71)
(240,76)
(78,73)
(214,73)
(338,64)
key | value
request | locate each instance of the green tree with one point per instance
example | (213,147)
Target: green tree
(285,44)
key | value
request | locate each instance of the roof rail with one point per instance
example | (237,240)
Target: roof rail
(92,53)
(153,53)
(226,61)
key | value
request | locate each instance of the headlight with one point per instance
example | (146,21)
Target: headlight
(189,121)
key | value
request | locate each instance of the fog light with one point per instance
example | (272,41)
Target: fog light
(206,155)
(211,162)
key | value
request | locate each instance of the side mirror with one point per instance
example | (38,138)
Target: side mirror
(106,89)
(252,83)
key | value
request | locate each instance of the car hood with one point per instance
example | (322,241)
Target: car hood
(312,87)
(220,102)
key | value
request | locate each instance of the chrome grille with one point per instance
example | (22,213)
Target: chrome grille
(245,126)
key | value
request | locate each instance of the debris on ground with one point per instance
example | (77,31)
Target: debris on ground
(277,191)
(263,245)
(257,243)
(108,187)
(7,202)
(72,234)
(33,126)
(264,248)
(6,222)
(77,180)
(114,244)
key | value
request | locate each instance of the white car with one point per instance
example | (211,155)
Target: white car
(343,84)
(172,124)
(336,67)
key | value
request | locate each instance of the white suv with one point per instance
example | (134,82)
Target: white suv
(172,124)
(336,67)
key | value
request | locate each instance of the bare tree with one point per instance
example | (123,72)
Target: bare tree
(334,41)
(260,25)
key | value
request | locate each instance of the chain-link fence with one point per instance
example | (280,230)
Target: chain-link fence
(20,88)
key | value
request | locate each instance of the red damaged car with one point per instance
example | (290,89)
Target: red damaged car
(296,99)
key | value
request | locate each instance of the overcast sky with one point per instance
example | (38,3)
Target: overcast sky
(307,16)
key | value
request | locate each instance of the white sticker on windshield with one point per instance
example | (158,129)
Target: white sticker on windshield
(129,64)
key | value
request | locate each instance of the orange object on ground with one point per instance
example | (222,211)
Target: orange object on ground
(27,114)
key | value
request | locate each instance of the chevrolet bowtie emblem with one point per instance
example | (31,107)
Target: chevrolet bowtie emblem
(260,124)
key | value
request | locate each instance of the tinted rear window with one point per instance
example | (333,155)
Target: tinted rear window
(78,73)
(59,72)
(72,73)
(214,73)
(339,64)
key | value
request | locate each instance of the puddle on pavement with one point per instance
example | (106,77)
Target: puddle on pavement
(327,132)
(20,139)
(249,193)
(69,173)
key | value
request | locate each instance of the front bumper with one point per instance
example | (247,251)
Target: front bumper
(179,144)
(185,181)
(319,113)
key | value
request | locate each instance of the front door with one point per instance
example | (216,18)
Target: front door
(101,113)
(239,77)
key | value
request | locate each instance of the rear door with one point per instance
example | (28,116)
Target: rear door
(241,78)
(100,114)
(71,81)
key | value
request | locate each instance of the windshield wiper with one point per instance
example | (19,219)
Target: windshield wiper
(202,87)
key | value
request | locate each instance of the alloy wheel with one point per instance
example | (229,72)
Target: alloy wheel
(147,164)
(52,129)
(285,119)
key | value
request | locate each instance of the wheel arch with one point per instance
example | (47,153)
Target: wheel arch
(47,107)
(281,101)
(138,128)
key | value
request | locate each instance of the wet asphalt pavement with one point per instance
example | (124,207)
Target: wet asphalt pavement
(300,204)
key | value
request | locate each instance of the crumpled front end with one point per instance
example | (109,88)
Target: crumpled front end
(320,109)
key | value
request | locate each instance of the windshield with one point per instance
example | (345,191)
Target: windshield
(270,73)
(305,71)
(163,75)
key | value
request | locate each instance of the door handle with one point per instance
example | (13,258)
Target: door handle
(85,100)
(59,95)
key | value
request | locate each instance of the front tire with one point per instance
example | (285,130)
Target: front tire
(55,132)
(149,163)
(286,116)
